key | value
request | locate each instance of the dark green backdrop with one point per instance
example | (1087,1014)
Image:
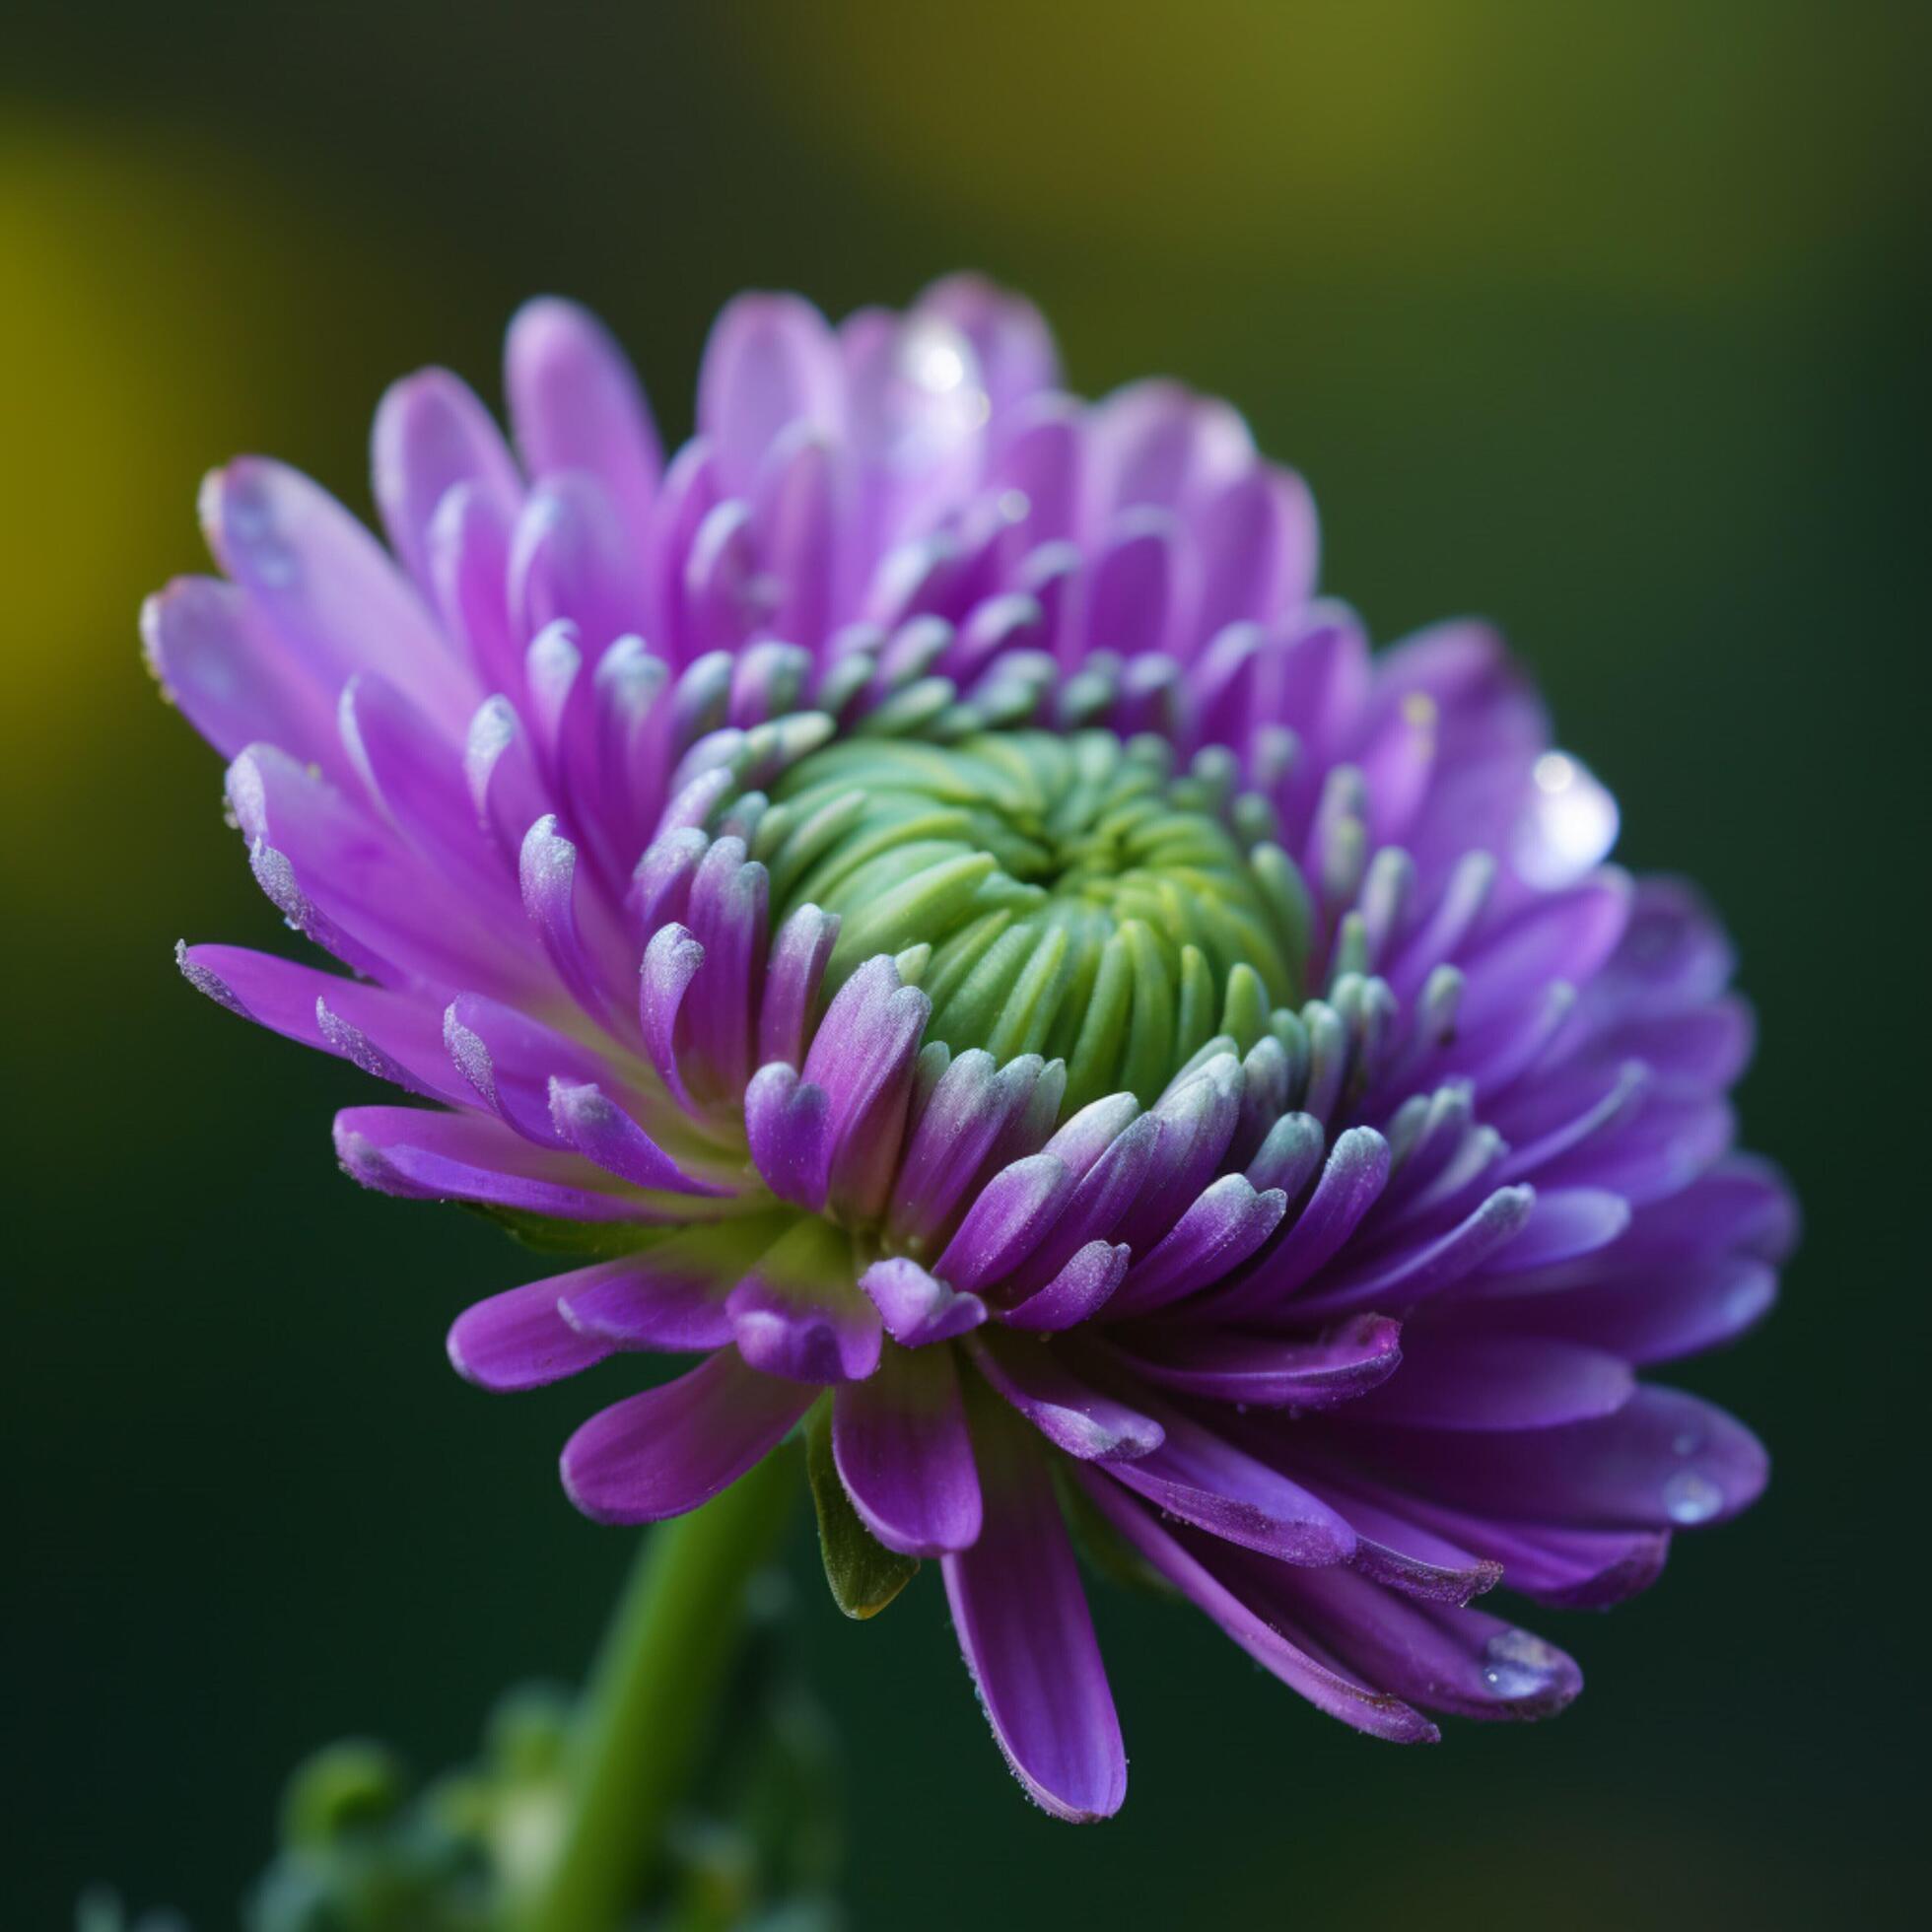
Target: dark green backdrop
(1593,318)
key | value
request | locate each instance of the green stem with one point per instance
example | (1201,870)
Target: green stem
(651,1698)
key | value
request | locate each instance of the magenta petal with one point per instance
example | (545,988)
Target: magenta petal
(1351,1358)
(787,1121)
(1325,1686)
(1451,1381)
(393,1036)
(601,1130)
(917,1309)
(220,659)
(799,1312)
(1200,1478)
(432,434)
(423,1155)
(1077,1294)
(1435,1654)
(1663,1459)
(904,1455)
(331,592)
(577,405)
(667,1450)
(1027,1636)
(1070,1411)
(1010,1215)
(518,1340)
(670,1295)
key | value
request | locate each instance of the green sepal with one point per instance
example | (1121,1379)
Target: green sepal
(864,1574)
(602,1240)
(1101,1546)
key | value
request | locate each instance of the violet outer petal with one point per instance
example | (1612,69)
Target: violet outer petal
(799,1312)
(1077,1294)
(1347,1362)
(1327,1689)
(1498,1382)
(427,1155)
(518,1340)
(667,1450)
(577,406)
(1664,1459)
(1438,1655)
(786,1123)
(601,1130)
(1072,1412)
(672,1295)
(901,1447)
(1027,1636)
(916,1308)
(1200,1478)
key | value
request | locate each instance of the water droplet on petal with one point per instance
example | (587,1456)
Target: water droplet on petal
(1519,1664)
(1568,824)
(1691,1499)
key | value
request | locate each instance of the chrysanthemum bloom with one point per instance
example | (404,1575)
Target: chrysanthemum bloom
(915,893)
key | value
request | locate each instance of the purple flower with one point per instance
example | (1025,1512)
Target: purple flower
(917,894)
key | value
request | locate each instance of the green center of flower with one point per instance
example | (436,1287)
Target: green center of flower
(1059,895)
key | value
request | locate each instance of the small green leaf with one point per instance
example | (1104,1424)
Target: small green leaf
(1101,1546)
(550,1236)
(864,1574)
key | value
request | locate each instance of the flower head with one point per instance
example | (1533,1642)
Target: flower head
(919,895)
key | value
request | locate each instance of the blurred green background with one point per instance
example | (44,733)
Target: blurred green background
(1602,320)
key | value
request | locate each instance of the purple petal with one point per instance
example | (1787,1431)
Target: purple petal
(1663,1459)
(671,963)
(577,405)
(1498,1382)
(1410,1275)
(1009,1215)
(1200,1478)
(1659,1314)
(1326,1687)
(1010,341)
(1434,1655)
(771,362)
(954,1133)
(432,434)
(667,1450)
(1356,1172)
(329,589)
(1228,1222)
(1077,1294)
(518,1340)
(391,1036)
(1258,548)
(1070,1413)
(916,1308)
(796,970)
(1224,1366)
(427,1155)
(799,1312)
(903,1453)
(1565,1223)
(220,659)
(672,1295)
(786,1123)
(1559,936)
(1027,1636)
(601,1130)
